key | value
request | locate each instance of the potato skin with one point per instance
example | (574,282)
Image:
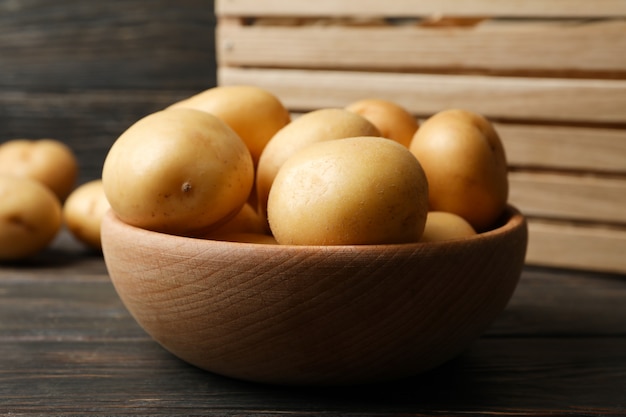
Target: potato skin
(252,112)
(48,161)
(392,120)
(83,212)
(362,190)
(178,171)
(315,126)
(465,164)
(441,225)
(246,220)
(30,217)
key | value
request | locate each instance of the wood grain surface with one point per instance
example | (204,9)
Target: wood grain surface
(559,46)
(510,98)
(82,72)
(394,8)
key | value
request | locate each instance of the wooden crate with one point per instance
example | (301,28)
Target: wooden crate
(551,74)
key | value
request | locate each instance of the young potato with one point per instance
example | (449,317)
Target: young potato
(179,171)
(30,217)
(441,226)
(316,126)
(48,161)
(253,112)
(465,164)
(83,212)
(392,120)
(245,221)
(363,190)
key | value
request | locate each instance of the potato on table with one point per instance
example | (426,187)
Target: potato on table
(48,161)
(30,217)
(83,212)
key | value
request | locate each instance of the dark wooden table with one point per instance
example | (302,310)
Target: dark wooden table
(69,347)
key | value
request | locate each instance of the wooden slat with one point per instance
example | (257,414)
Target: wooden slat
(511,377)
(576,246)
(575,197)
(596,46)
(566,303)
(564,147)
(74,45)
(83,72)
(423,94)
(400,8)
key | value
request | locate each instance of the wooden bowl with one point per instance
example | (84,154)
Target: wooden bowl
(314,315)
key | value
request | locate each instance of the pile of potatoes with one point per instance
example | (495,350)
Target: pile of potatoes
(38,195)
(230,163)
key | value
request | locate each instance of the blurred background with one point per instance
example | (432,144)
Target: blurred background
(83,71)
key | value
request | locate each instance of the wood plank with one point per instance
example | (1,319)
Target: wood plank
(573,197)
(82,72)
(507,377)
(574,246)
(564,303)
(40,308)
(73,44)
(594,46)
(403,8)
(539,99)
(564,147)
